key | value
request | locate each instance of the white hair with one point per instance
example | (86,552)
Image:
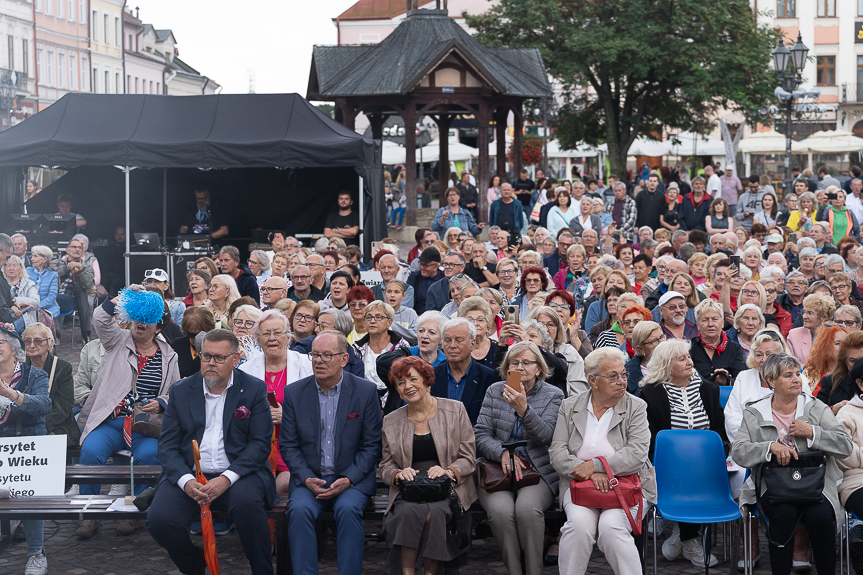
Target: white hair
(598,356)
(456,322)
(707,305)
(434,316)
(659,365)
(772,273)
(743,309)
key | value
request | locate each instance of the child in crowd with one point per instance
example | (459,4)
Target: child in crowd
(394,294)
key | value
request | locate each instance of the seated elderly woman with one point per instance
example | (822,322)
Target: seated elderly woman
(195,320)
(277,366)
(630,311)
(460,287)
(646,335)
(576,381)
(358,298)
(609,307)
(432,436)
(199,287)
(477,310)
(303,321)
(563,303)
(780,428)
(25,294)
(837,388)
(851,418)
(716,358)
(46,279)
(817,309)
(677,398)
(38,343)
(378,340)
(532,330)
(848,316)
(119,388)
(530,413)
(223,292)
(243,321)
(25,402)
(598,310)
(581,436)
(748,320)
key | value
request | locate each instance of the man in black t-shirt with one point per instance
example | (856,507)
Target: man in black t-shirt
(207,219)
(650,203)
(524,187)
(479,269)
(346,223)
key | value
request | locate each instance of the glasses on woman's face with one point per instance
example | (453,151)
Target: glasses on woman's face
(243,323)
(655,341)
(376,318)
(750,292)
(268,334)
(34,342)
(849,323)
(506,272)
(357,304)
(304,317)
(518,363)
(614,377)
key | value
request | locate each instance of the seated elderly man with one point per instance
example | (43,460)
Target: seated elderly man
(661,265)
(302,288)
(672,307)
(439,292)
(273,289)
(460,377)
(388,265)
(718,242)
(77,283)
(228,412)
(19,248)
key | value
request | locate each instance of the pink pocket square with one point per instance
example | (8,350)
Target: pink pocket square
(353,416)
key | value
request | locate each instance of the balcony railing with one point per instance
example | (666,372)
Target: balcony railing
(850,93)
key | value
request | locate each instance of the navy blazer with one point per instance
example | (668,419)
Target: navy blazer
(247,441)
(358,432)
(438,295)
(479,379)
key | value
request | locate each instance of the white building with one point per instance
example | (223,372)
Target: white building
(17,62)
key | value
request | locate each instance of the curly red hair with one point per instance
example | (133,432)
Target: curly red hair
(401,369)
(543,277)
(820,361)
(357,293)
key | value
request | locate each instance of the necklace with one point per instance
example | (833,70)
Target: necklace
(427,414)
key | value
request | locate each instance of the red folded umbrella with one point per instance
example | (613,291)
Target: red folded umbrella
(209,533)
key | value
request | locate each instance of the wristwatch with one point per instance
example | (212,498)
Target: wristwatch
(485,268)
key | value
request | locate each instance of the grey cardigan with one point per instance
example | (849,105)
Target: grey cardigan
(628,433)
(751,447)
(497,418)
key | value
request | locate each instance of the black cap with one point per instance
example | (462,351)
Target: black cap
(9,329)
(430,254)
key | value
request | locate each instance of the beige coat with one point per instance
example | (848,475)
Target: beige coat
(453,439)
(851,418)
(628,433)
(119,366)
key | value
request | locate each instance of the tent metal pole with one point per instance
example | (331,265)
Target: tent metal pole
(126,171)
(164,206)
(362,220)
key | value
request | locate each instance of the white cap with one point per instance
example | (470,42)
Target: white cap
(670,295)
(157,274)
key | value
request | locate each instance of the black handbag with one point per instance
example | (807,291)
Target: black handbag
(801,482)
(425,490)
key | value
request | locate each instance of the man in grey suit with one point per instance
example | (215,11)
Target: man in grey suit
(331,441)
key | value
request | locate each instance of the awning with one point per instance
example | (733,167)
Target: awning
(831,142)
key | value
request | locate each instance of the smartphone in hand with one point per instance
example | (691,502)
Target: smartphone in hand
(271,397)
(513,379)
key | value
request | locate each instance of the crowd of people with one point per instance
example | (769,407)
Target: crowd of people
(618,319)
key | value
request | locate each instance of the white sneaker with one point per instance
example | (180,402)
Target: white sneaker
(74,491)
(661,524)
(36,565)
(693,551)
(673,546)
(119,490)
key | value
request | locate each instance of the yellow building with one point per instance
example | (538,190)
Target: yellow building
(106,46)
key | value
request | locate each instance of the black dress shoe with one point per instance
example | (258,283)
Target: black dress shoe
(550,560)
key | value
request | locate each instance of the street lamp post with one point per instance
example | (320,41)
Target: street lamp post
(545,114)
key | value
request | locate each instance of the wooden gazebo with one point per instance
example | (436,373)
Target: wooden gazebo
(429,66)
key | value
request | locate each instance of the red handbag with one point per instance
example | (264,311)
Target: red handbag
(625,493)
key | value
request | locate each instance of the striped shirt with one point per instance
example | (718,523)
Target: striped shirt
(608,338)
(687,410)
(150,378)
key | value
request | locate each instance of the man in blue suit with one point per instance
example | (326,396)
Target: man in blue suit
(460,377)
(227,412)
(331,441)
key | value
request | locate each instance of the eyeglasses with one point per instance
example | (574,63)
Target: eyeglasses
(302,277)
(476,319)
(311,265)
(359,304)
(532,280)
(770,291)
(630,322)
(840,287)
(246,323)
(272,289)
(253,262)
(614,377)
(750,292)
(376,318)
(557,306)
(304,317)
(655,341)
(324,357)
(34,341)
(847,323)
(220,359)
(506,272)
(518,363)
(269,334)
(681,307)
(452,265)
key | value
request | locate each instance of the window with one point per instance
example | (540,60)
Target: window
(118,83)
(107,85)
(137,85)
(71,13)
(95,79)
(39,65)
(94,32)
(786,8)
(118,33)
(826,71)
(82,13)
(49,79)
(39,6)
(11,52)
(151,87)
(60,8)
(61,70)
(72,79)
(826,8)
(106,32)
(158,88)
(129,84)
(25,57)
(48,7)
(129,47)
(85,79)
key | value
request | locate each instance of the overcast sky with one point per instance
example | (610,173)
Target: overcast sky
(224,39)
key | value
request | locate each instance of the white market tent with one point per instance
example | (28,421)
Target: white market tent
(831,142)
(392,153)
(702,145)
(647,147)
(457,152)
(771,142)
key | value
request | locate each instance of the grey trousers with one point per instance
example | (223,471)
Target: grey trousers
(518,524)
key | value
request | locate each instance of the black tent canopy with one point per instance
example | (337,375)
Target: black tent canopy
(281,131)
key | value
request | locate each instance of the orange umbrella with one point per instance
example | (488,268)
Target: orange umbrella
(210,555)
(274,460)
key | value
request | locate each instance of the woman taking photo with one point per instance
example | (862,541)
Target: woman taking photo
(646,335)
(379,338)
(437,434)
(477,311)
(574,454)
(817,309)
(838,388)
(223,292)
(748,320)
(277,367)
(560,215)
(781,426)
(199,287)
(677,398)
(46,279)
(822,356)
(530,413)
(770,211)
(119,388)
(718,220)
(26,404)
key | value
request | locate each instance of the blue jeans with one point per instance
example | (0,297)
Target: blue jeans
(35,533)
(348,509)
(400,212)
(19,324)
(106,440)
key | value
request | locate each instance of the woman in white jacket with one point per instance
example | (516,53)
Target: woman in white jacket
(278,367)
(851,418)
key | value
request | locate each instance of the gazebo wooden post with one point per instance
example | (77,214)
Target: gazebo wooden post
(409,118)
(443,122)
(377,123)
(518,142)
(500,117)
(482,118)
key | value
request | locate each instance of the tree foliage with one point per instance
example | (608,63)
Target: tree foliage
(648,65)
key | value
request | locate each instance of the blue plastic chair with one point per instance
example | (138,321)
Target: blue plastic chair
(724,393)
(692,482)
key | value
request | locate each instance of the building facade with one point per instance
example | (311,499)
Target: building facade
(106,46)
(17,62)
(62,49)
(145,66)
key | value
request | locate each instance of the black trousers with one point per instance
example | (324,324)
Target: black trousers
(172,511)
(820,522)
(854,503)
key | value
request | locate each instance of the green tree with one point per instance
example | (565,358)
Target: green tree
(648,65)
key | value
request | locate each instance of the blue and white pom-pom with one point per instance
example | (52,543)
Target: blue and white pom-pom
(140,306)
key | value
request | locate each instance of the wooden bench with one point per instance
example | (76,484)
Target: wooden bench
(61,509)
(99,474)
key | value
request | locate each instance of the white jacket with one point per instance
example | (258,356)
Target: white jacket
(747,388)
(299,366)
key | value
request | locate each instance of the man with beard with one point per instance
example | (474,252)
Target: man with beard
(208,219)
(228,412)
(672,307)
(344,224)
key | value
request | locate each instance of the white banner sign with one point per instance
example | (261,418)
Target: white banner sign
(370,278)
(33,465)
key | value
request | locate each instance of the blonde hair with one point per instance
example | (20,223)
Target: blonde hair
(560,336)
(761,337)
(762,295)
(574,249)
(387,308)
(692,299)
(41,330)
(477,303)
(823,305)
(659,366)
(518,349)
(231,285)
